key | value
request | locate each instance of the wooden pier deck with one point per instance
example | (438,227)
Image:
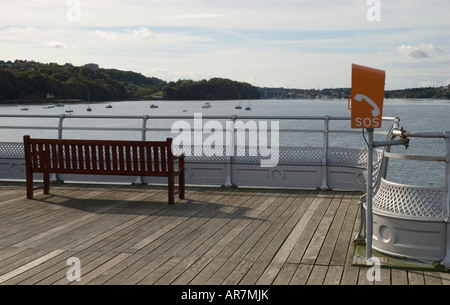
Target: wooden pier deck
(126,235)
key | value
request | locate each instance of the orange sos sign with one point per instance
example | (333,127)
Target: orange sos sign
(366,99)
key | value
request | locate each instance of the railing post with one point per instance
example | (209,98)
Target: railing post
(325,153)
(446,261)
(144,128)
(55,177)
(60,125)
(369,195)
(447,171)
(139,179)
(230,149)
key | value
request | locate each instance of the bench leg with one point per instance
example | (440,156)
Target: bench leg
(181,185)
(46,183)
(29,186)
(171,190)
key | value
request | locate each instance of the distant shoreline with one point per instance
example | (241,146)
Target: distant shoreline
(50,102)
(21,103)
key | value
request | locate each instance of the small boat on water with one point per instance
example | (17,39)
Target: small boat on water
(239,106)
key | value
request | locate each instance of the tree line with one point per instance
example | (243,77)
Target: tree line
(29,80)
(442,92)
(213,89)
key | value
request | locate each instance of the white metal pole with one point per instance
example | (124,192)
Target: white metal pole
(369,217)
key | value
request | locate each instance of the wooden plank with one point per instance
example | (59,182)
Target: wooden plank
(198,238)
(415,277)
(350,275)
(399,277)
(445,278)
(171,274)
(86,278)
(233,231)
(311,219)
(115,270)
(155,255)
(193,230)
(295,200)
(225,245)
(28,266)
(83,234)
(301,275)
(317,275)
(285,275)
(385,277)
(152,263)
(432,278)
(41,217)
(44,270)
(88,264)
(286,248)
(334,275)
(140,227)
(362,278)
(331,238)
(42,214)
(49,234)
(344,241)
(312,252)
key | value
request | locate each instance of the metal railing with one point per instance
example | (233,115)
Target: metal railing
(328,156)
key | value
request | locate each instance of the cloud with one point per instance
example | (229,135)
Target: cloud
(200,16)
(142,33)
(111,36)
(419,52)
(57,45)
(432,48)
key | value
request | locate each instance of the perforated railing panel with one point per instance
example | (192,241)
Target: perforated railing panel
(11,150)
(411,201)
(286,155)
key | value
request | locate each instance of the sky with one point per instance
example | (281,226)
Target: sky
(300,44)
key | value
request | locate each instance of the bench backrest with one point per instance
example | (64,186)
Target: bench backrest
(101,157)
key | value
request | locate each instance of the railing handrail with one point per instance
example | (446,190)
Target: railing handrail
(146,118)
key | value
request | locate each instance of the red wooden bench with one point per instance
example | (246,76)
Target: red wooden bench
(102,157)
